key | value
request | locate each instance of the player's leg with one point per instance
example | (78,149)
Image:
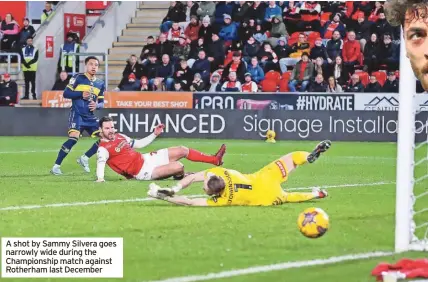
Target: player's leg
(177,153)
(83,160)
(166,171)
(73,136)
(298,197)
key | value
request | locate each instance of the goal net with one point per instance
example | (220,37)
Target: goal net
(412,165)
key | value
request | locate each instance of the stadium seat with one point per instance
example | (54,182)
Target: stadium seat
(293,38)
(325,17)
(228,58)
(360,65)
(269,85)
(380,76)
(286,75)
(283,85)
(364,77)
(273,76)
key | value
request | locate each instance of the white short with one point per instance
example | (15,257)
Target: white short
(151,161)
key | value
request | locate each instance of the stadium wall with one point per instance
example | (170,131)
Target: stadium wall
(224,124)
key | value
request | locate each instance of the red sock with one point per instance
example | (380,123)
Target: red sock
(196,156)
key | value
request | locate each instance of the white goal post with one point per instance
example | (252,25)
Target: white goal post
(405,226)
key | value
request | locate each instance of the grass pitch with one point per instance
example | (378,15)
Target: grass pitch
(163,241)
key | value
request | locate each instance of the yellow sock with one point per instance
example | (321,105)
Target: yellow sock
(299,157)
(298,197)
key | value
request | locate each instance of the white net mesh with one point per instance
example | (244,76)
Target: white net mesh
(419,213)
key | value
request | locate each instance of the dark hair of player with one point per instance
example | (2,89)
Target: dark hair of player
(396,11)
(91,58)
(216,185)
(104,119)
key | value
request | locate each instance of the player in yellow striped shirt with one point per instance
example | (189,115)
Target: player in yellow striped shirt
(227,187)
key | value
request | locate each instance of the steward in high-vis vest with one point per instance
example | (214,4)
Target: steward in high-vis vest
(66,62)
(29,59)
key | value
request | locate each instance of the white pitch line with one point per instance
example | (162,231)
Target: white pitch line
(231,154)
(275,267)
(105,202)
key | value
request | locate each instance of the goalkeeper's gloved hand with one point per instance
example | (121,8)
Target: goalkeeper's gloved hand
(157,192)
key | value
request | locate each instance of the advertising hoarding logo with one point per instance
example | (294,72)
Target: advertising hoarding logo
(382,103)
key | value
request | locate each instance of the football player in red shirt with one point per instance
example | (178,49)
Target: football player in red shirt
(117,151)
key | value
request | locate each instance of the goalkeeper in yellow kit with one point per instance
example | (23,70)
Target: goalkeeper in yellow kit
(228,187)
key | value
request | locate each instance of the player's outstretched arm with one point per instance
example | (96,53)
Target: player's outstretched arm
(178,200)
(188,180)
(141,143)
(102,157)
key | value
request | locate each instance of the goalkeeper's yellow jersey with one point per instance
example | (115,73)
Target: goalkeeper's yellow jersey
(262,188)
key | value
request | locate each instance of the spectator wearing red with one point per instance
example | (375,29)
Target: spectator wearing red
(229,31)
(149,48)
(351,52)
(197,83)
(257,73)
(240,11)
(291,16)
(206,9)
(192,30)
(144,84)
(331,26)
(391,85)
(302,74)
(333,86)
(183,74)
(268,58)
(318,50)
(337,70)
(202,66)
(362,29)
(132,66)
(257,12)
(318,85)
(371,54)
(163,47)
(195,48)
(206,30)
(232,84)
(389,53)
(237,66)
(8,91)
(355,85)
(251,49)
(175,14)
(175,32)
(310,16)
(26,32)
(249,85)
(374,15)
(131,84)
(10,30)
(180,50)
(216,52)
(364,7)
(373,86)
(334,47)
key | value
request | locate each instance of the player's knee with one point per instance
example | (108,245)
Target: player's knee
(184,151)
(74,134)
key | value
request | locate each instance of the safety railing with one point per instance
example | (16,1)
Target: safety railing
(74,55)
(9,60)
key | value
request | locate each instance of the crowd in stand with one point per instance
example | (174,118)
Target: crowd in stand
(286,46)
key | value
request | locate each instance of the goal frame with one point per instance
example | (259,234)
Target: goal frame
(404,224)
